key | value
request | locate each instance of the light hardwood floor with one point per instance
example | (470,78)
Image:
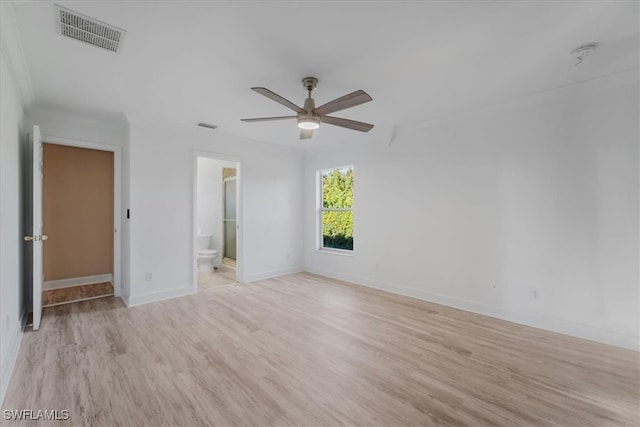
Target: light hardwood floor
(302,350)
(222,276)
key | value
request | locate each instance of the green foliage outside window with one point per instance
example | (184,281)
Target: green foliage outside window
(337,193)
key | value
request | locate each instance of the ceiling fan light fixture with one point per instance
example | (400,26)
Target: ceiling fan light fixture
(308,123)
(310,117)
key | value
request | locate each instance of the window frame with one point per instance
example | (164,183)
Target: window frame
(320,209)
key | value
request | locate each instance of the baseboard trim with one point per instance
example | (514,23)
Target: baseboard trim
(272,273)
(77,281)
(533,320)
(133,300)
(9,361)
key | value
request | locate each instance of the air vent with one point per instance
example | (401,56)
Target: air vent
(88,30)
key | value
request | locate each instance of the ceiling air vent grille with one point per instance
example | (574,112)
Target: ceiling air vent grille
(88,30)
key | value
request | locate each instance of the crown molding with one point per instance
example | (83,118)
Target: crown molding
(13,53)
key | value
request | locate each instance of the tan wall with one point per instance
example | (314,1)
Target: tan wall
(78,212)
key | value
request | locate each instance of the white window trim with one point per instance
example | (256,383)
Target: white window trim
(320,209)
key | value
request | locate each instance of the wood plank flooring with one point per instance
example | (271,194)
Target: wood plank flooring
(303,350)
(223,276)
(76,293)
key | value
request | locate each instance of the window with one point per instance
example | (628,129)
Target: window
(335,212)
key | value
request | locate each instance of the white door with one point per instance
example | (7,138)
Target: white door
(38,238)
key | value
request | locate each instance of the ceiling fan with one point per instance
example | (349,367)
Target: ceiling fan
(310,117)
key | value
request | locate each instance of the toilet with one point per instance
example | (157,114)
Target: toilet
(206,255)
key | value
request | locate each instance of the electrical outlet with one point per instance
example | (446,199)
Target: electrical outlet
(148,276)
(534,293)
(493,286)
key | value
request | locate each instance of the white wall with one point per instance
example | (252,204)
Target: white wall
(481,210)
(87,127)
(125,223)
(161,195)
(12,138)
(210,212)
(158,189)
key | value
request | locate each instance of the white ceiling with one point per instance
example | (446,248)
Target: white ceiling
(188,62)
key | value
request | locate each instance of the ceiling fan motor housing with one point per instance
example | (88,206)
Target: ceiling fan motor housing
(309,105)
(309,120)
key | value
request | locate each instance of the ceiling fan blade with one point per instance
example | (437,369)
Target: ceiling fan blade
(306,133)
(351,100)
(346,123)
(268,119)
(280,100)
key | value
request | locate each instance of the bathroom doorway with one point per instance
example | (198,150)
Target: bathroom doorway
(216,222)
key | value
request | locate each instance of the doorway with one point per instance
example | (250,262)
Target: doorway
(78,218)
(216,222)
(36,228)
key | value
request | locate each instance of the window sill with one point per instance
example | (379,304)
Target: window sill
(341,252)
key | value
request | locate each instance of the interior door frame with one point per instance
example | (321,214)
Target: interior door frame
(239,215)
(117,197)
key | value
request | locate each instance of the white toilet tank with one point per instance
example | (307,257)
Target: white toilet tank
(204,241)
